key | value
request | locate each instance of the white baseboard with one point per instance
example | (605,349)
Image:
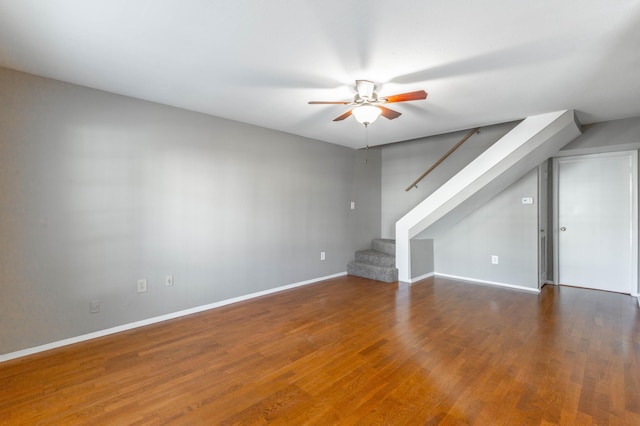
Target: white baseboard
(421,277)
(494,283)
(173,315)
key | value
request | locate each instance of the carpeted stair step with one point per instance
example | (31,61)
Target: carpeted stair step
(374,257)
(380,273)
(384,245)
(377,263)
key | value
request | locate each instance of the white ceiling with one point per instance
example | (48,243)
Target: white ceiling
(259,62)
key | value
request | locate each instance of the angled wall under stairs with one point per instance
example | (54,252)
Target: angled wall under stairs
(377,263)
(531,142)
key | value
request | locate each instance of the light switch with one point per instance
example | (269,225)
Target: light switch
(527,200)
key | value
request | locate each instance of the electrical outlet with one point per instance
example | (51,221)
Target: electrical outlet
(142,285)
(494,260)
(168,280)
(94,306)
(323,256)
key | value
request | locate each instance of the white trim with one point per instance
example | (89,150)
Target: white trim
(597,150)
(555,214)
(494,283)
(421,277)
(635,289)
(543,223)
(532,141)
(149,321)
(634,282)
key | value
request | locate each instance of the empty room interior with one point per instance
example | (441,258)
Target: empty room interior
(319,212)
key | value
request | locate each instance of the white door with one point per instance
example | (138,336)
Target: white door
(596,221)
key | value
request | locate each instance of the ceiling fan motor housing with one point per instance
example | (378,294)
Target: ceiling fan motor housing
(366,97)
(365,90)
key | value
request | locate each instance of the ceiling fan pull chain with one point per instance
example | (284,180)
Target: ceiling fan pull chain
(366,142)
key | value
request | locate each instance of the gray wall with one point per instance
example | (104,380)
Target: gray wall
(615,135)
(366,194)
(422,259)
(503,227)
(98,190)
(403,162)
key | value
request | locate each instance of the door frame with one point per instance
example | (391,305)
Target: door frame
(543,224)
(635,286)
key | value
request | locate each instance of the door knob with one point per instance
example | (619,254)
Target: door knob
(563,229)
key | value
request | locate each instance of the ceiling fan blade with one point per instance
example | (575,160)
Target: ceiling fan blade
(328,103)
(343,116)
(410,96)
(389,113)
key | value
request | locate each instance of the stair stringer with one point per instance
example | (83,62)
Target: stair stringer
(527,145)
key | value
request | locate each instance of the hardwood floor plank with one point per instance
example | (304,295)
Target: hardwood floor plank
(352,351)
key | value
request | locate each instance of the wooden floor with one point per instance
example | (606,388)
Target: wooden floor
(352,351)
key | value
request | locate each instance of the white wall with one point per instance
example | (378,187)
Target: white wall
(98,190)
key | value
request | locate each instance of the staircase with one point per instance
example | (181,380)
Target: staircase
(377,263)
(527,145)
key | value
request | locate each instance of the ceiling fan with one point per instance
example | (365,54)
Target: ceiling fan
(368,106)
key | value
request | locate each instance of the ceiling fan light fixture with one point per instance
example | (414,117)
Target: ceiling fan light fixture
(366,114)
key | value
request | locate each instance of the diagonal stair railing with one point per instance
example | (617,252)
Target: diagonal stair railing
(444,157)
(532,141)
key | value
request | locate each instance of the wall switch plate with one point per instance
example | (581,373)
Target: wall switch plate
(323,255)
(353,205)
(527,200)
(168,280)
(142,285)
(494,260)
(94,306)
